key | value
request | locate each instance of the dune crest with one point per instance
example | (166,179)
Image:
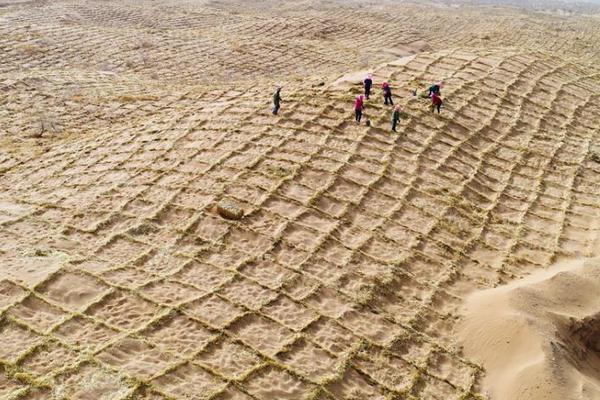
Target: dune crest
(539,337)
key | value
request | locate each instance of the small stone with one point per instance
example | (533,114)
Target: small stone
(228,210)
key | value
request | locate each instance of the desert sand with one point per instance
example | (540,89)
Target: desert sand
(538,338)
(124,124)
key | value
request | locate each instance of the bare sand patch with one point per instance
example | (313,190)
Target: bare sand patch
(537,338)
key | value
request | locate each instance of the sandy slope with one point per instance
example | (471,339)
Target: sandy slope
(538,338)
(343,278)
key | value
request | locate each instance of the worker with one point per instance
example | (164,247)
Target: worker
(435,88)
(436,102)
(358,107)
(368,82)
(277,100)
(395,117)
(387,93)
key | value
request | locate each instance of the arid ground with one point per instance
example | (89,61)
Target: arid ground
(123,123)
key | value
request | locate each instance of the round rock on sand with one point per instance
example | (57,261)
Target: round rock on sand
(228,210)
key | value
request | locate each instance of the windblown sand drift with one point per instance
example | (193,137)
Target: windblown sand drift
(119,278)
(539,338)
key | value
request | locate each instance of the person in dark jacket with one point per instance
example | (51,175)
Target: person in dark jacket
(387,93)
(395,117)
(276,101)
(368,82)
(436,88)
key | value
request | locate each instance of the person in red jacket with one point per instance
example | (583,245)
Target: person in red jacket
(387,93)
(358,107)
(436,102)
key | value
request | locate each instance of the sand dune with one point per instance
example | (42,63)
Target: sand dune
(538,338)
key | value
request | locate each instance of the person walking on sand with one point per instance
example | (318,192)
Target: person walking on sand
(387,93)
(395,117)
(277,100)
(368,82)
(435,88)
(436,102)
(358,107)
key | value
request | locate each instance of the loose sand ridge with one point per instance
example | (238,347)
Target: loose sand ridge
(541,340)
(343,279)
